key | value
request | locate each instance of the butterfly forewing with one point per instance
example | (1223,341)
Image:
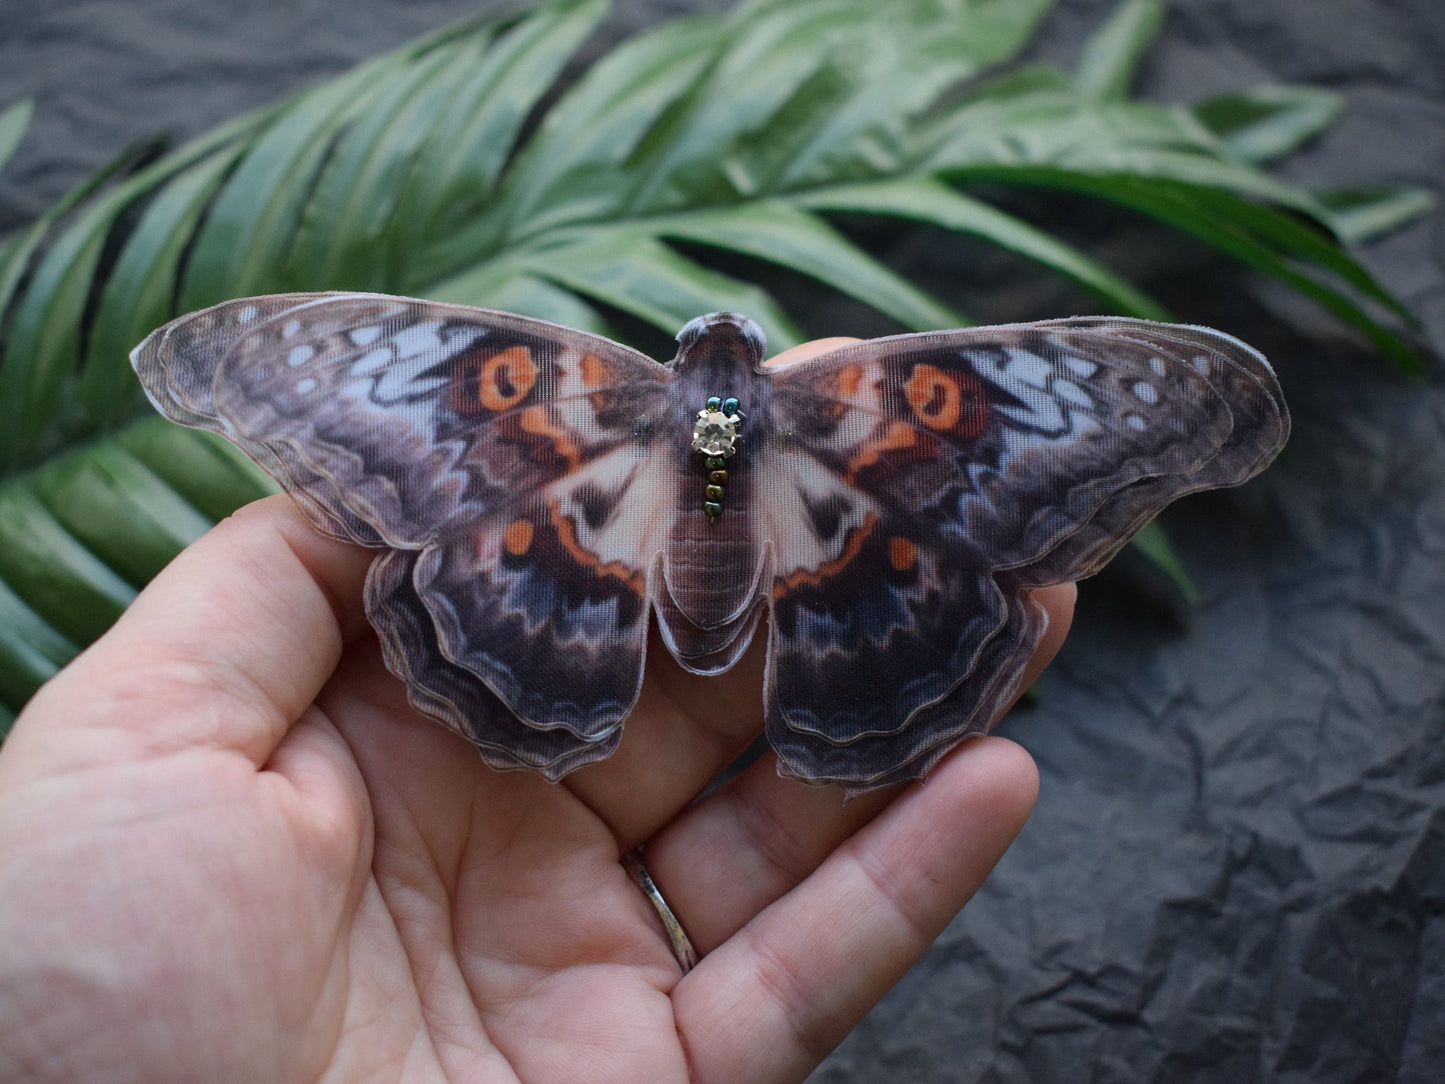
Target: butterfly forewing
(536,495)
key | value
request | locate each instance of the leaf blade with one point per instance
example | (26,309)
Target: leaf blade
(1262,124)
(785,234)
(1109,58)
(14,122)
(931,201)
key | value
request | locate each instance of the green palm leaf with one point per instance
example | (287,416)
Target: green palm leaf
(672,177)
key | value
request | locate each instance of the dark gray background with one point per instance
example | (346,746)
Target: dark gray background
(1237,867)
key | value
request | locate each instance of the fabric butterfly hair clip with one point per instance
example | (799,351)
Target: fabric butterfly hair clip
(535,493)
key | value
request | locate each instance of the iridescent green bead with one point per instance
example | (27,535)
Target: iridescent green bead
(715,462)
(714,403)
(718,477)
(713,509)
(713,493)
(730,405)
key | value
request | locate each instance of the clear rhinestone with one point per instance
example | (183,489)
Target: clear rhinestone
(715,433)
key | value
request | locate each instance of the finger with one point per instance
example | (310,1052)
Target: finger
(685,728)
(750,842)
(812,349)
(771,1001)
(225,648)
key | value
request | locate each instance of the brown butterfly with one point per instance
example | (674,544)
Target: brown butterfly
(536,492)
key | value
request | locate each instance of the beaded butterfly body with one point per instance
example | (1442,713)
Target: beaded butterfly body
(537,492)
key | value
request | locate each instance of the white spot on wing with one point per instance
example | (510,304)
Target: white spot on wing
(1145,392)
(1028,368)
(290,328)
(1080,367)
(1070,392)
(796,544)
(1157,364)
(364,336)
(403,380)
(305,386)
(417,339)
(1136,422)
(1041,412)
(1026,377)
(299,355)
(633,532)
(246,315)
(371,361)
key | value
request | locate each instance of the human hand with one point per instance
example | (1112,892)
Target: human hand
(229,850)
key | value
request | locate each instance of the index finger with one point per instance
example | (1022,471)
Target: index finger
(224,649)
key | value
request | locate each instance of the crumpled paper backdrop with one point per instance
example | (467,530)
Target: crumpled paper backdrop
(1236,870)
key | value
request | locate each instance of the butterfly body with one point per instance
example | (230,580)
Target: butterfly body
(537,493)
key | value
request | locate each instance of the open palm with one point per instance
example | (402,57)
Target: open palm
(229,850)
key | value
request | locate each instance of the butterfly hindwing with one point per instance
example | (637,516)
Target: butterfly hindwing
(547,599)
(908,752)
(451,693)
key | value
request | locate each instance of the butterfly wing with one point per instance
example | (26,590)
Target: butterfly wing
(927,482)
(505,459)
(443,690)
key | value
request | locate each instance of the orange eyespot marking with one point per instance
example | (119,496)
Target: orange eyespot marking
(850,379)
(517,538)
(896,438)
(506,378)
(933,396)
(534,420)
(902,554)
(594,370)
(946,401)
